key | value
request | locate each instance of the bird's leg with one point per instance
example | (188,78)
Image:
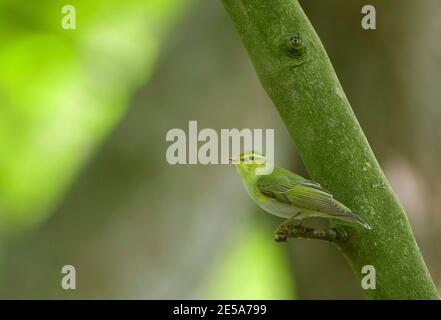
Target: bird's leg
(285,230)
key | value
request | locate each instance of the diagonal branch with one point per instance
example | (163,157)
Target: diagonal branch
(295,71)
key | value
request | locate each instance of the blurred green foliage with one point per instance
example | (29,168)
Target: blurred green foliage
(251,267)
(62,91)
(61,94)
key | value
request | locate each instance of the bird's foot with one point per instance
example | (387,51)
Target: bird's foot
(283,232)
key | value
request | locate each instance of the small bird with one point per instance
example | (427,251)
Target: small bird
(288,195)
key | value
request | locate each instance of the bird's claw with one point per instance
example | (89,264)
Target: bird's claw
(283,232)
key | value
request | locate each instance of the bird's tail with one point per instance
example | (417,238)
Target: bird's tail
(348,215)
(353,216)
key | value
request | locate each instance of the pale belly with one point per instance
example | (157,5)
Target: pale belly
(274,207)
(281,209)
(277,208)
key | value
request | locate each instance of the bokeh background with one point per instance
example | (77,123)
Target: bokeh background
(83,175)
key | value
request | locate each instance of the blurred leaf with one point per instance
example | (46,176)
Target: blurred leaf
(252,267)
(62,91)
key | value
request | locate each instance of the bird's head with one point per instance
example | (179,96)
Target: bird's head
(249,162)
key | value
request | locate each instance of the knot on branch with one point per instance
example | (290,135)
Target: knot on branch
(296,46)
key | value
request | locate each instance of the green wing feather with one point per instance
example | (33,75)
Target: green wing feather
(287,187)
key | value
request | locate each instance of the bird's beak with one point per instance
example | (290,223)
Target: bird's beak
(234,160)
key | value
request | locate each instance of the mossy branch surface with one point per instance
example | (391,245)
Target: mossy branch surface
(302,232)
(295,70)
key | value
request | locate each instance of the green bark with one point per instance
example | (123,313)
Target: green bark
(295,70)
